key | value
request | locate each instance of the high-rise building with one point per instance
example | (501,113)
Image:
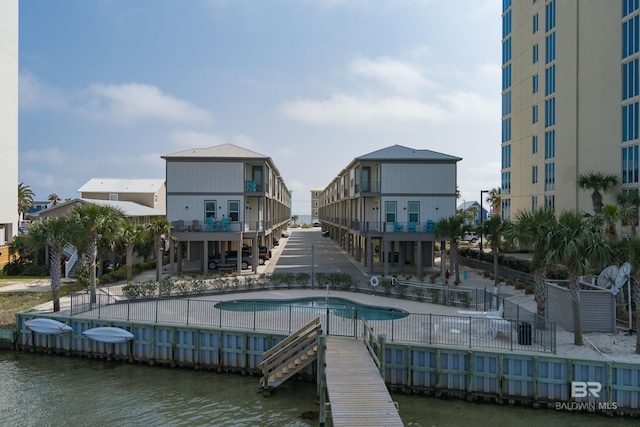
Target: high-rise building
(8,119)
(570,100)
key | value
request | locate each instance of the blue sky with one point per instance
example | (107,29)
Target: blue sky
(109,86)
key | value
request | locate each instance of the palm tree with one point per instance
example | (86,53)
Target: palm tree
(575,242)
(452,228)
(56,233)
(494,228)
(609,217)
(629,203)
(295,218)
(131,234)
(54,199)
(159,229)
(530,229)
(495,201)
(25,200)
(96,221)
(599,183)
(629,249)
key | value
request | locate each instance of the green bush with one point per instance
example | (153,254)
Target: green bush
(419,293)
(465,299)
(302,279)
(386,286)
(529,289)
(15,267)
(434,294)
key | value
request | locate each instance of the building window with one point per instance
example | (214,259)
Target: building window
(630,164)
(535,83)
(506,130)
(414,211)
(549,112)
(506,51)
(113,197)
(506,103)
(506,4)
(390,211)
(550,16)
(210,209)
(506,77)
(549,176)
(630,79)
(534,114)
(550,202)
(630,122)
(506,183)
(550,80)
(534,203)
(630,39)
(234,210)
(534,144)
(155,199)
(536,23)
(534,174)
(315,203)
(506,24)
(550,46)
(506,156)
(506,209)
(550,144)
(535,53)
(629,6)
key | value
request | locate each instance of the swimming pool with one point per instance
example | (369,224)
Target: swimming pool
(337,306)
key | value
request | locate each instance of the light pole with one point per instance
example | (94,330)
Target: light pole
(481,197)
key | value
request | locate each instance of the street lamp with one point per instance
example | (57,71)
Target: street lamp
(481,193)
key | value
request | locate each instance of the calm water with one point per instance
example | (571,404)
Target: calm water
(339,307)
(41,390)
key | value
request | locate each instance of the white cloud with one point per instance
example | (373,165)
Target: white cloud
(191,139)
(347,110)
(134,102)
(34,94)
(399,76)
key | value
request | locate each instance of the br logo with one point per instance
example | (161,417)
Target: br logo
(583,389)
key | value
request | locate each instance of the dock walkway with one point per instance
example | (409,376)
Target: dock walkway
(357,393)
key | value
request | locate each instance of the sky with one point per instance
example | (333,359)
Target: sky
(108,86)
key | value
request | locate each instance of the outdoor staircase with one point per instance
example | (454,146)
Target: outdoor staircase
(290,356)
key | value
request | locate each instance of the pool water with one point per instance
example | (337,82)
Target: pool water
(337,306)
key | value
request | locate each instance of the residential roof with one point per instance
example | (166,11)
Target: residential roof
(218,151)
(130,209)
(399,152)
(121,185)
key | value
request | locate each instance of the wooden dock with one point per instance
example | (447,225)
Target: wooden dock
(357,393)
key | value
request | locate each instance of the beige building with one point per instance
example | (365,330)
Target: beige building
(569,100)
(221,199)
(147,192)
(8,120)
(382,208)
(315,205)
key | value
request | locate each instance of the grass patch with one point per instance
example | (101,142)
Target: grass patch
(12,302)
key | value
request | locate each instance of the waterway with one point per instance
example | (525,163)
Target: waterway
(43,390)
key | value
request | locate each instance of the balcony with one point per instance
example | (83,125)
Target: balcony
(368,187)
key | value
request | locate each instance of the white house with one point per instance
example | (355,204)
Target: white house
(388,202)
(222,198)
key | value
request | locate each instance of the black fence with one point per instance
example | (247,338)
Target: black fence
(476,322)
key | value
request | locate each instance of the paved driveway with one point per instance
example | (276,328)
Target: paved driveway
(296,254)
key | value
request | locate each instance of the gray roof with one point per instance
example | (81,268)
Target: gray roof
(218,151)
(130,209)
(121,185)
(399,152)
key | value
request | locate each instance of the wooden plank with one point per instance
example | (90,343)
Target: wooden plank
(357,393)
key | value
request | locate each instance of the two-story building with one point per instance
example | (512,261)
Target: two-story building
(224,198)
(383,206)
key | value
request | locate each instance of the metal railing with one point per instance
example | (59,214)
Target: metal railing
(518,330)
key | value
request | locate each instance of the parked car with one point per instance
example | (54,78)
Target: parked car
(265,254)
(470,237)
(284,233)
(107,265)
(22,230)
(231,257)
(325,233)
(276,241)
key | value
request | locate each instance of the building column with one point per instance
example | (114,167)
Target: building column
(385,244)
(205,256)
(419,263)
